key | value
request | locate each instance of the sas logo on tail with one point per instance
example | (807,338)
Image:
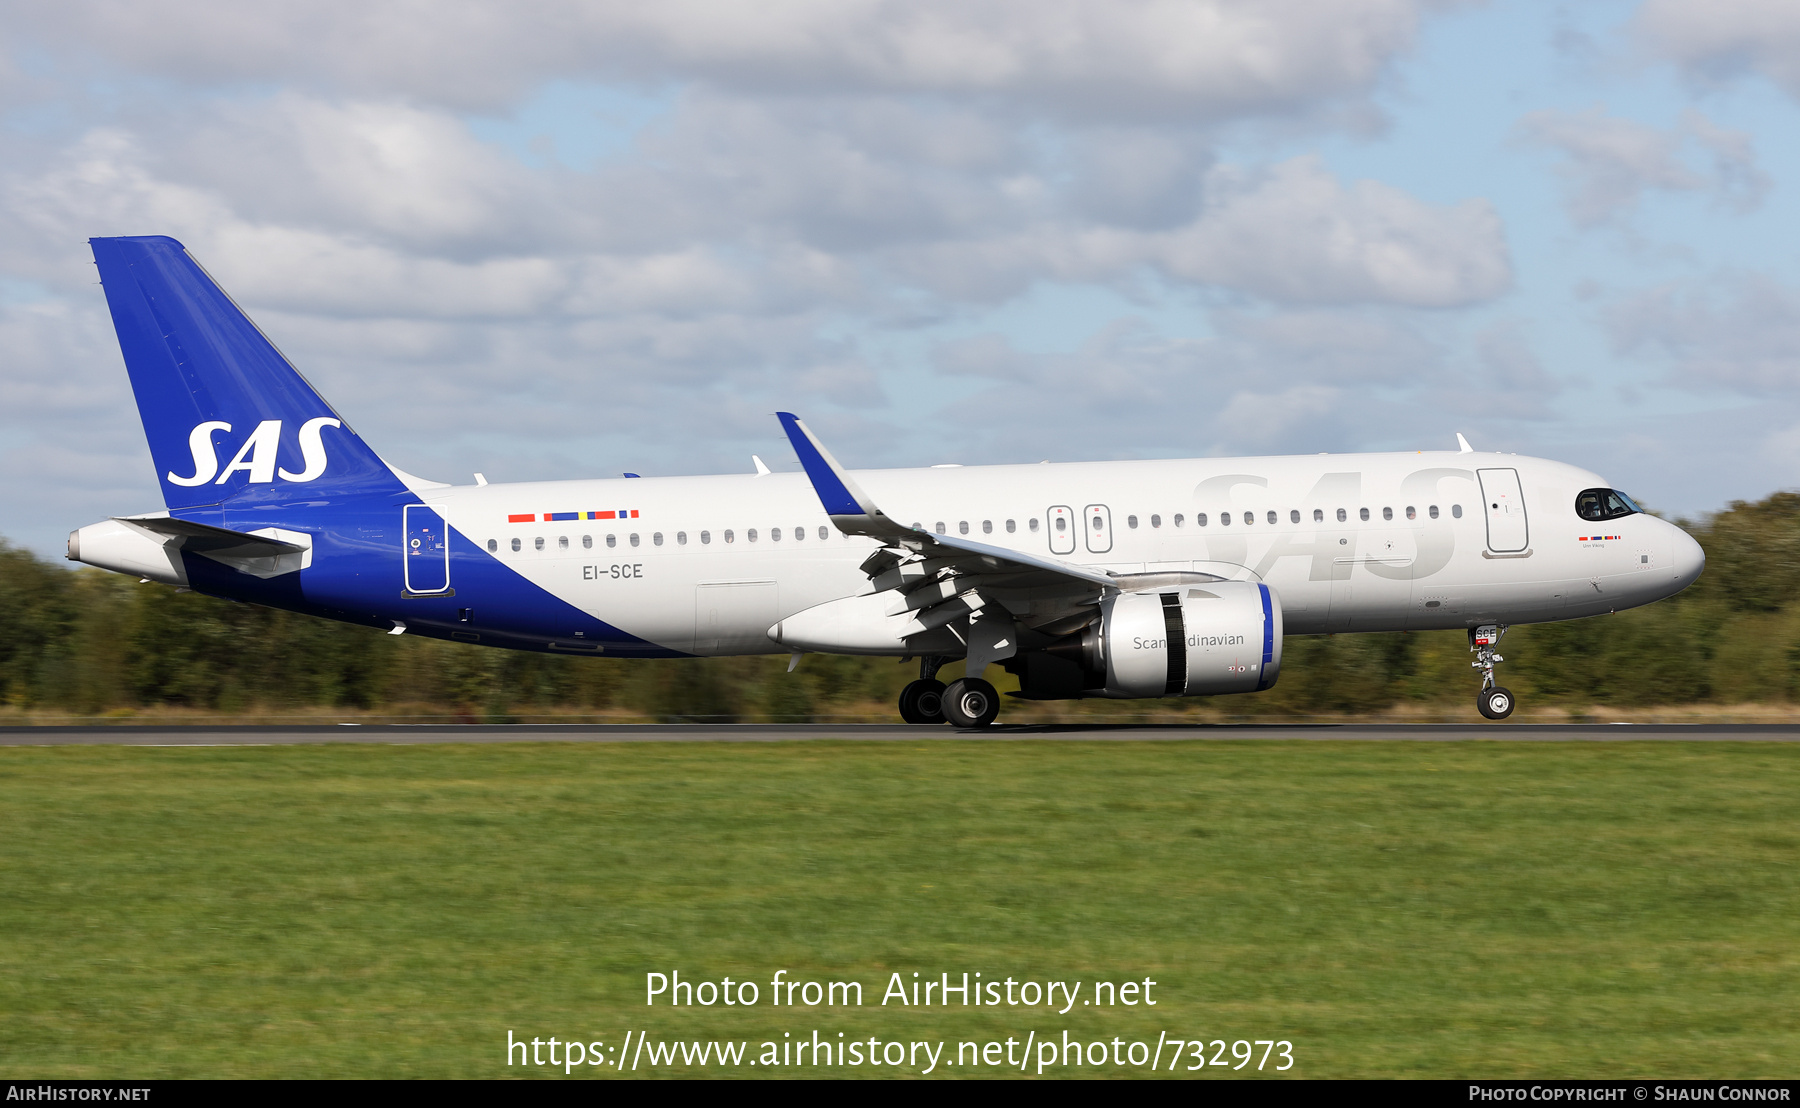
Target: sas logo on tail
(257,456)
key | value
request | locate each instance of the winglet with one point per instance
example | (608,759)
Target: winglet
(847,505)
(1463,444)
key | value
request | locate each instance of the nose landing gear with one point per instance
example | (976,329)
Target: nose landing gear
(1494,701)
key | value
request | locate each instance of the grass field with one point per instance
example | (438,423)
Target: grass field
(1405,909)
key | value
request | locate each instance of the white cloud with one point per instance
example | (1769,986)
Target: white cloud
(1296,234)
(1267,382)
(1739,333)
(1608,163)
(1715,39)
(1165,59)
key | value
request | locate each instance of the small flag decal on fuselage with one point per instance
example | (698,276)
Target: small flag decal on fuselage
(559,517)
(1597,538)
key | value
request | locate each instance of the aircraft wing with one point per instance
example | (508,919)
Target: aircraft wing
(990,596)
(855,513)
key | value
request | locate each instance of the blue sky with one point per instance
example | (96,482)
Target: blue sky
(564,239)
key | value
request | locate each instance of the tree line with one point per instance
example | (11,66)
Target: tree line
(91,643)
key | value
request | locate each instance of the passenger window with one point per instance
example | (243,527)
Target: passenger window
(963,527)
(799,534)
(1224,519)
(1433,510)
(1061,523)
(562,542)
(1387,513)
(493,545)
(1179,519)
(987,526)
(1011,526)
(940,527)
(634,540)
(750,533)
(1033,524)
(1156,521)
(729,536)
(681,538)
(705,537)
(1318,515)
(1412,512)
(1294,515)
(1272,517)
(1249,518)
(1456,511)
(538,542)
(1098,523)
(612,541)
(1341,516)
(774,534)
(587,542)
(1199,519)
(515,545)
(1130,521)
(825,534)
(656,539)
(1364,514)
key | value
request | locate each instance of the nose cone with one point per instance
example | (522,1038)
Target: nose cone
(1686,559)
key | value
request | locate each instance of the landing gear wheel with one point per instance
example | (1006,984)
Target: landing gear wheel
(971,702)
(922,702)
(1495,702)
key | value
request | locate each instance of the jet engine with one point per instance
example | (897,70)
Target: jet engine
(1193,640)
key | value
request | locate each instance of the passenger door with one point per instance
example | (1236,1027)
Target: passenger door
(1504,504)
(426,554)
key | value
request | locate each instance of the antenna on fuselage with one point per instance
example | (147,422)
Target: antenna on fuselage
(1463,444)
(761,469)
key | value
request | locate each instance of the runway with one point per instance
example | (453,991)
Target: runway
(402,734)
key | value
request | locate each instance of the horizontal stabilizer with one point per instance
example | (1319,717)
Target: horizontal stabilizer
(266,552)
(201,538)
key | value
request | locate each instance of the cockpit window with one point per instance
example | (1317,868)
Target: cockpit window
(1603,504)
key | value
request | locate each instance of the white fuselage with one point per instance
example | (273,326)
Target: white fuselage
(1352,542)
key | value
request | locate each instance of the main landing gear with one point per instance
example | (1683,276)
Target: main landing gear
(1494,701)
(923,700)
(967,702)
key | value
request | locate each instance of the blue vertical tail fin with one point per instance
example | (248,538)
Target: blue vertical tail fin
(227,416)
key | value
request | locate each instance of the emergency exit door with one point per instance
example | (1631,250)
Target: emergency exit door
(1504,505)
(427,551)
(1060,522)
(1098,529)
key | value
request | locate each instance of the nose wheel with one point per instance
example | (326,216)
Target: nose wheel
(1494,701)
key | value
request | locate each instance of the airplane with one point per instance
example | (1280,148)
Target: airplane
(1122,579)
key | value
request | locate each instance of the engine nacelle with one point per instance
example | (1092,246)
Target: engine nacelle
(1195,640)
